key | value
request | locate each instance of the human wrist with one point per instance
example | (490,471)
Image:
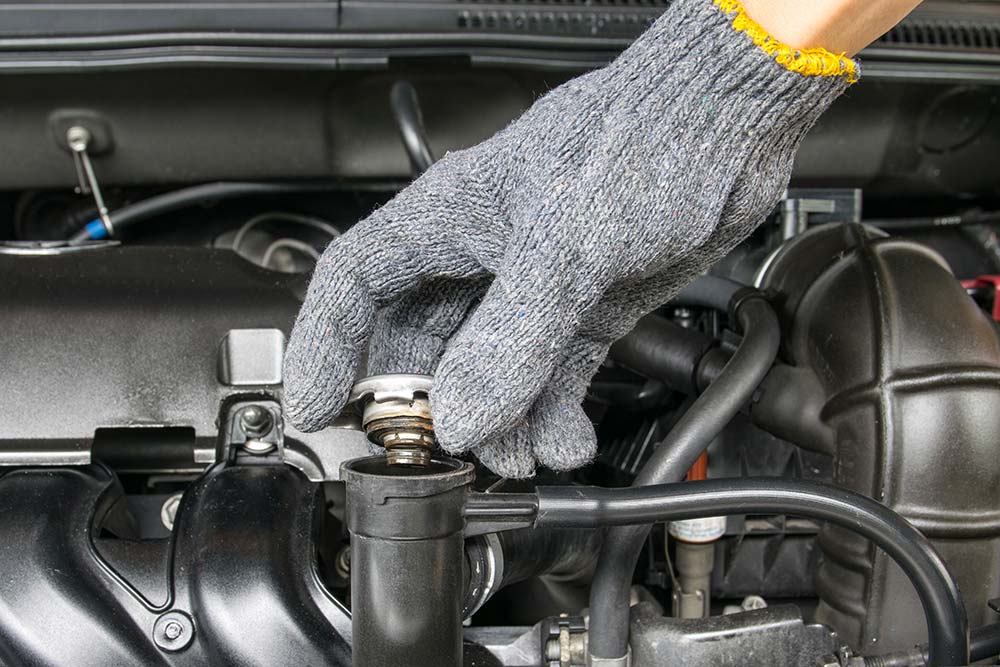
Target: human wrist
(839,26)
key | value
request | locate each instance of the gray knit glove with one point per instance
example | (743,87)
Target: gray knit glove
(509,268)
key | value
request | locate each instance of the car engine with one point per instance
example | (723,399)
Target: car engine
(166,194)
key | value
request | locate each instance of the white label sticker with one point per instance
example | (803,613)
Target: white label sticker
(699,530)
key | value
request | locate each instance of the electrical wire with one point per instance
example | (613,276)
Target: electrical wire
(293,244)
(976,217)
(178,199)
(405,107)
(281,216)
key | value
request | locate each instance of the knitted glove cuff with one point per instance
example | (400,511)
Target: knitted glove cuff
(712,60)
(807,62)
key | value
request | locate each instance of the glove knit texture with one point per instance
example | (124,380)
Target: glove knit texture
(509,268)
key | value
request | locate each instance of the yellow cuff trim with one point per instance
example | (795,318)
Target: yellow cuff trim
(808,62)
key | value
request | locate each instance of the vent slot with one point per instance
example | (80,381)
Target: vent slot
(521,18)
(943,33)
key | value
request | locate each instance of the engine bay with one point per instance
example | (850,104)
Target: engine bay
(841,370)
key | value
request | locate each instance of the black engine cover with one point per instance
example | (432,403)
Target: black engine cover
(123,337)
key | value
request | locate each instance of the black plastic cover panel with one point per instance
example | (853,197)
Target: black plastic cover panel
(124,337)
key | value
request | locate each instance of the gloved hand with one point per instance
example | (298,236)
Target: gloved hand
(509,268)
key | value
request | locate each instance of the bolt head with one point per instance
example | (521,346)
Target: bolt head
(256,421)
(752,602)
(78,137)
(827,661)
(172,630)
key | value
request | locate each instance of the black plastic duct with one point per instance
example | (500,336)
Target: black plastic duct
(894,370)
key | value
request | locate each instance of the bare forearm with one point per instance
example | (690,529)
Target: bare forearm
(840,26)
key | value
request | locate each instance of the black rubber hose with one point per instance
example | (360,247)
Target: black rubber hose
(530,552)
(984,642)
(662,350)
(197,194)
(722,400)
(947,626)
(525,553)
(406,111)
(704,420)
(707,291)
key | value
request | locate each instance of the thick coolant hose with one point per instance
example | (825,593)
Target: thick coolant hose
(178,199)
(660,349)
(704,420)
(722,400)
(947,625)
(707,291)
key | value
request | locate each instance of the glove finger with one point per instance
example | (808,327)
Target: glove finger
(411,333)
(562,435)
(508,455)
(498,362)
(403,243)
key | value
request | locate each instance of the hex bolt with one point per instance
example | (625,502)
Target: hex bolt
(258,447)
(173,631)
(256,421)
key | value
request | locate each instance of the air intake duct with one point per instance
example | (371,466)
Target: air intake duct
(890,367)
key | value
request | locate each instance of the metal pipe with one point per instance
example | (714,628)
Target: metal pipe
(194,195)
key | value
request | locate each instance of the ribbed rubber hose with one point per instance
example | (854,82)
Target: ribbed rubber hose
(704,420)
(947,625)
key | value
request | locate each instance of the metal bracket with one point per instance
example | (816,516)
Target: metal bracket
(256,434)
(254,431)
